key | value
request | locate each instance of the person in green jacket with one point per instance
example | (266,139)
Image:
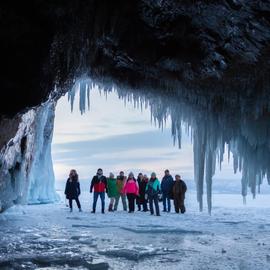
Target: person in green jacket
(152,191)
(112,191)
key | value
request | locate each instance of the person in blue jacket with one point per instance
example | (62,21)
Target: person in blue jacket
(166,188)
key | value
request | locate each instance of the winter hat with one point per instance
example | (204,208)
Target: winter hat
(99,171)
(131,175)
(111,175)
(153,174)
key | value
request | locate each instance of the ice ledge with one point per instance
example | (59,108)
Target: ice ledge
(26,172)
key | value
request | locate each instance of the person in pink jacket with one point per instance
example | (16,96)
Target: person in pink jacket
(131,188)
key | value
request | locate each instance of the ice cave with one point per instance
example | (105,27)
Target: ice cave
(201,65)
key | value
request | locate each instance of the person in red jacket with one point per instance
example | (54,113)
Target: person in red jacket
(99,184)
(131,188)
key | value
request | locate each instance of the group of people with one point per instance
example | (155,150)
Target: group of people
(141,191)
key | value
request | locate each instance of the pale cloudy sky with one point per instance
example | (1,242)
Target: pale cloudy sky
(116,136)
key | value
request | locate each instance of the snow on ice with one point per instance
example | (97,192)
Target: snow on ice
(50,237)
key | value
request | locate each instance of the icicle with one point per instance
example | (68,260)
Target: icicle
(208,178)
(252,181)
(229,153)
(235,163)
(199,159)
(88,96)
(71,96)
(82,87)
(244,185)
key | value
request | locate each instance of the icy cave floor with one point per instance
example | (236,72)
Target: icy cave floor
(49,237)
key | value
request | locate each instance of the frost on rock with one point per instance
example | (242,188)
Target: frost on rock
(246,134)
(27,172)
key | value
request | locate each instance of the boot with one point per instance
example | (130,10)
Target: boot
(80,209)
(103,211)
(183,209)
(110,208)
(70,210)
(93,211)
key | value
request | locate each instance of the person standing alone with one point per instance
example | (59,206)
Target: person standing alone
(72,190)
(166,187)
(99,184)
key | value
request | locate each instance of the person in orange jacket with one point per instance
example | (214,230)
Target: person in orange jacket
(120,183)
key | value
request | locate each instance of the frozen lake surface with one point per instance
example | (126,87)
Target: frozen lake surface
(47,237)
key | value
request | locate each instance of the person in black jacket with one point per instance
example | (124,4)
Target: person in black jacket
(142,182)
(139,180)
(72,190)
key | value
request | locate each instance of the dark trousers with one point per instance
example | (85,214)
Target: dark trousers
(179,205)
(131,201)
(138,203)
(145,208)
(154,200)
(102,198)
(166,202)
(142,204)
(77,201)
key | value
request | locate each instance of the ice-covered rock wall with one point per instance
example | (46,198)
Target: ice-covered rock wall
(26,172)
(246,135)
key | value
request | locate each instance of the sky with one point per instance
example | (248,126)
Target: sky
(116,136)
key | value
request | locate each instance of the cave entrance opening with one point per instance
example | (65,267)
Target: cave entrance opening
(119,133)
(114,135)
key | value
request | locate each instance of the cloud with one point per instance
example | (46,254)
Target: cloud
(147,151)
(149,139)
